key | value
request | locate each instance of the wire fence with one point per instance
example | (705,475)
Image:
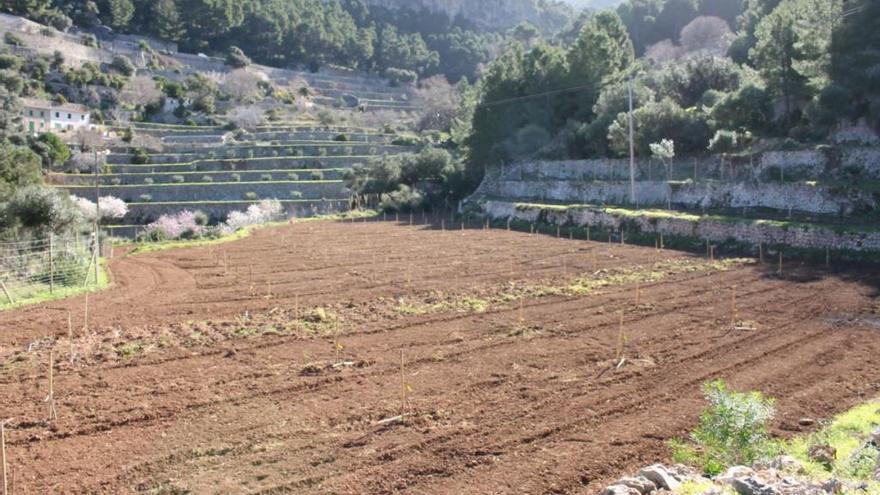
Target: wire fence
(47,265)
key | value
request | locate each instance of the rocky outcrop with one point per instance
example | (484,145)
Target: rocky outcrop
(762,479)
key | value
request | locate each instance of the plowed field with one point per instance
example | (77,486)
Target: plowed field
(273,364)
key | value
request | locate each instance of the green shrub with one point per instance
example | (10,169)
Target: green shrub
(177,179)
(405,141)
(12,40)
(341,138)
(10,62)
(317,175)
(207,178)
(145,198)
(140,156)
(400,76)
(732,430)
(123,65)
(293,176)
(296,194)
(235,177)
(266,177)
(251,195)
(236,58)
(148,181)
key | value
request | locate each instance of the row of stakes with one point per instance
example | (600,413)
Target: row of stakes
(620,359)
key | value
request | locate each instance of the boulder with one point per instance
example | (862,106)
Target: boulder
(750,485)
(823,454)
(736,472)
(875,438)
(787,463)
(620,490)
(351,101)
(640,484)
(833,486)
(661,477)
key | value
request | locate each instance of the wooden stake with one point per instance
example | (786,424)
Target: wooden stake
(402,387)
(619,353)
(661,241)
(588,232)
(558,232)
(336,345)
(761,252)
(70,333)
(86,316)
(6,293)
(733,313)
(53,414)
(780,263)
(522,316)
(638,293)
(827,257)
(3,453)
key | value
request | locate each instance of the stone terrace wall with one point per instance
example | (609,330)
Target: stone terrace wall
(754,232)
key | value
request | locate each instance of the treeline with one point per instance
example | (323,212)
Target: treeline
(784,69)
(288,32)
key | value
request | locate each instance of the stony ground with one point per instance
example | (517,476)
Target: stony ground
(268,365)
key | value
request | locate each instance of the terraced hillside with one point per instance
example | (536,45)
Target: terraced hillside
(208,169)
(825,199)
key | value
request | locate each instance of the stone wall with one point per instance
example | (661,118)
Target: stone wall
(691,226)
(800,197)
(219,192)
(279,164)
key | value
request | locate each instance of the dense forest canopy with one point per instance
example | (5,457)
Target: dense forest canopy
(712,75)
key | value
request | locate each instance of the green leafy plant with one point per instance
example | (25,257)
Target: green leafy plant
(732,430)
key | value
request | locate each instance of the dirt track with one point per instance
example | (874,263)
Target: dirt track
(199,371)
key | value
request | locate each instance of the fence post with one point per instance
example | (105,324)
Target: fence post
(51,264)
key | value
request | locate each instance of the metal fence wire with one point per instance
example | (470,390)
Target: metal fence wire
(45,265)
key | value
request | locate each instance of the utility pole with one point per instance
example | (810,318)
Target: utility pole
(632,148)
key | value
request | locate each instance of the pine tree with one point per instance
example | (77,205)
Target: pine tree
(121,12)
(167,20)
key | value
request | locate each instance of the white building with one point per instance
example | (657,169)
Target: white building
(39,116)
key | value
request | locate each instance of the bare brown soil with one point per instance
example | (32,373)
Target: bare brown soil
(211,370)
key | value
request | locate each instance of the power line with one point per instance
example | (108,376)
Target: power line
(546,93)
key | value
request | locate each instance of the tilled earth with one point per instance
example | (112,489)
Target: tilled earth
(277,364)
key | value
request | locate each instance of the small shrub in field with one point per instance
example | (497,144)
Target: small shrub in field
(266,177)
(341,138)
(293,176)
(149,181)
(207,178)
(317,175)
(296,194)
(235,177)
(116,181)
(177,179)
(732,430)
(146,198)
(250,195)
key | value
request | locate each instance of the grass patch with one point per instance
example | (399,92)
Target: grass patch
(848,433)
(130,350)
(44,295)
